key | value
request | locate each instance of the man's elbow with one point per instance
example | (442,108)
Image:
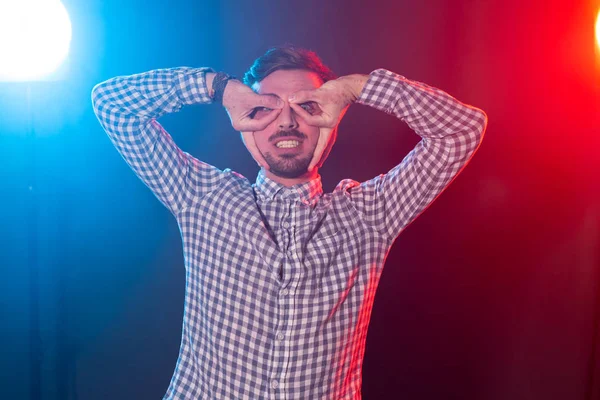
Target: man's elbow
(476,131)
(103,96)
(99,93)
(480,124)
(472,134)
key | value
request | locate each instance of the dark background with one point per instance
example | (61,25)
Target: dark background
(493,293)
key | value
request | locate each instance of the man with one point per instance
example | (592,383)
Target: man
(280,276)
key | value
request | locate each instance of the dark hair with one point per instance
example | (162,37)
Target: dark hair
(286,58)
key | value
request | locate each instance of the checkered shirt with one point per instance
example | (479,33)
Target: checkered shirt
(280,281)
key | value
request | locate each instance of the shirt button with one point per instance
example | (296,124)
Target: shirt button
(274,384)
(284,292)
(286,224)
(280,336)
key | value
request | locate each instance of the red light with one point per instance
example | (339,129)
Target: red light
(598,30)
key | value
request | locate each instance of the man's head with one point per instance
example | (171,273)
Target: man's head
(288,143)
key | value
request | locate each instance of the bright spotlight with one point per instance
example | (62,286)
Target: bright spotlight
(34,38)
(598,30)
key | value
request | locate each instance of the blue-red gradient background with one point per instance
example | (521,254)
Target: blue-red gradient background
(491,294)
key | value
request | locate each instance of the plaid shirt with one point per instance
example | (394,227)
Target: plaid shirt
(281,280)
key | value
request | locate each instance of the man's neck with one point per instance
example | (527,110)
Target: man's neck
(289,182)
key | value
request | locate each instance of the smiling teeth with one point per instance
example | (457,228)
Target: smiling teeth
(287,144)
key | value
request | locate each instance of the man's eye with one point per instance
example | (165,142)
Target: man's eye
(309,107)
(260,112)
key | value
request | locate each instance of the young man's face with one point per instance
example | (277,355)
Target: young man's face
(288,143)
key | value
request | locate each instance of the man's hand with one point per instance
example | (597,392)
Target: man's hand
(240,102)
(333,99)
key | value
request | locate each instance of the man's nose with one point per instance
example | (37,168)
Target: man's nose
(287,118)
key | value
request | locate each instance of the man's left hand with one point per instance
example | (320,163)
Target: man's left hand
(333,99)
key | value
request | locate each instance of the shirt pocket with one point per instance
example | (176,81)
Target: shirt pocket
(322,245)
(322,256)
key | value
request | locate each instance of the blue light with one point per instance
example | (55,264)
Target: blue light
(34,38)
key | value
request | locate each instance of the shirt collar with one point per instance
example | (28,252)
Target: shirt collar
(305,192)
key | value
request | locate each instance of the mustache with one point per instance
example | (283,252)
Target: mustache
(289,133)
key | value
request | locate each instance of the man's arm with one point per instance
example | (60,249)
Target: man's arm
(451,133)
(127,108)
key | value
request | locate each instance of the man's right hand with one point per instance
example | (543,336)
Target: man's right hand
(240,102)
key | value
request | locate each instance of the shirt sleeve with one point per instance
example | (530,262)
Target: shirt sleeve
(127,108)
(451,133)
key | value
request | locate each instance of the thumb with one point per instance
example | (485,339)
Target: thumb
(324,138)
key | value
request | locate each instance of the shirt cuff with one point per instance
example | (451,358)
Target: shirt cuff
(383,90)
(192,86)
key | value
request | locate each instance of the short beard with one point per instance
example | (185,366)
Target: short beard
(288,167)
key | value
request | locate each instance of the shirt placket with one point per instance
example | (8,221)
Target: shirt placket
(283,350)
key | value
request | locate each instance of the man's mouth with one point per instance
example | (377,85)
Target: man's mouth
(288,140)
(287,144)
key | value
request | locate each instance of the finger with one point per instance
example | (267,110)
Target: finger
(268,100)
(324,135)
(248,124)
(330,143)
(314,120)
(302,96)
(248,139)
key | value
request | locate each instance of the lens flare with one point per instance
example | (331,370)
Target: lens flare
(35,36)
(598,30)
